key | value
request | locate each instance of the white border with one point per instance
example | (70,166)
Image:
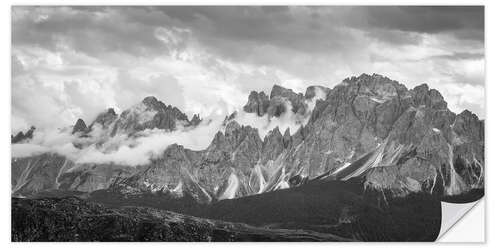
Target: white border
(492,127)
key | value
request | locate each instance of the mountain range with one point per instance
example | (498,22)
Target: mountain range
(370,136)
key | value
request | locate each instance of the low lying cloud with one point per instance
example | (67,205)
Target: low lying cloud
(54,141)
(143,146)
(134,150)
(27,149)
(288,119)
(264,124)
(151,144)
(465,95)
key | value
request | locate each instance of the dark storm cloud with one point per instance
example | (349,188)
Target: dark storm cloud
(462,56)
(420,19)
(92,30)
(431,19)
(231,30)
(295,28)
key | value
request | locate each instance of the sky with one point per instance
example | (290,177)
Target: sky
(74,62)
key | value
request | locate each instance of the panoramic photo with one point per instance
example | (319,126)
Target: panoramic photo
(244,123)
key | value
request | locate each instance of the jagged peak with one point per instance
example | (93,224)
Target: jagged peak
(195,120)
(278,90)
(20,136)
(110,111)
(373,78)
(105,117)
(312,90)
(80,121)
(421,87)
(469,114)
(152,102)
(150,99)
(423,95)
(234,127)
(257,103)
(277,87)
(287,132)
(79,126)
(231,125)
(254,93)
(424,88)
(275,132)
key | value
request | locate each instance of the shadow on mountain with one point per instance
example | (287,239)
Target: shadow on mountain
(341,208)
(467,197)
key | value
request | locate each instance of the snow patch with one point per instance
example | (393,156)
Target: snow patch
(377,100)
(232,187)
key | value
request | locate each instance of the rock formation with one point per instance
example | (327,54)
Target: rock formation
(400,140)
(79,127)
(20,136)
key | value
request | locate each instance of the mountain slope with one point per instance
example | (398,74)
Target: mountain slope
(401,140)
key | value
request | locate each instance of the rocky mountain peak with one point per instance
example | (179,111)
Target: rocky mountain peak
(110,112)
(234,135)
(312,91)
(195,120)
(423,95)
(374,85)
(79,126)
(257,103)
(152,103)
(401,140)
(150,113)
(468,125)
(20,136)
(278,102)
(273,145)
(278,90)
(150,99)
(105,119)
(468,115)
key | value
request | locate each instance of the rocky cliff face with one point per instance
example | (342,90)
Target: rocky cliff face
(280,100)
(149,114)
(79,127)
(400,140)
(105,119)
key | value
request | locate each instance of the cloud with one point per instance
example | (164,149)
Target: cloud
(121,149)
(465,95)
(53,141)
(93,31)
(287,120)
(73,62)
(422,19)
(151,144)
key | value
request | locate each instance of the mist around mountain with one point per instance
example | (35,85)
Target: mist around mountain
(368,159)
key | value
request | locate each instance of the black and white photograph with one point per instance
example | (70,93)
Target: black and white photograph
(290,123)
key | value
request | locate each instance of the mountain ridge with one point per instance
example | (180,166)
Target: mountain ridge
(352,120)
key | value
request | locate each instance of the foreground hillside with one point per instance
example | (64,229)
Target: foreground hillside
(343,208)
(73,219)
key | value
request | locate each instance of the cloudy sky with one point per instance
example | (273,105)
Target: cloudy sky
(72,62)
